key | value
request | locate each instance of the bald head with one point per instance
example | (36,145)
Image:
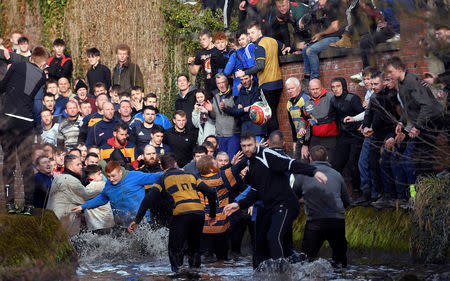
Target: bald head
(315,87)
(108,111)
(150,157)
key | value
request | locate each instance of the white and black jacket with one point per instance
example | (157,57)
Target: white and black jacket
(268,177)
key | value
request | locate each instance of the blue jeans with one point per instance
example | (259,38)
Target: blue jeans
(311,55)
(364,168)
(230,145)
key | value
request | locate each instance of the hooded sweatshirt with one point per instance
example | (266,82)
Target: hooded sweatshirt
(186,104)
(347,104)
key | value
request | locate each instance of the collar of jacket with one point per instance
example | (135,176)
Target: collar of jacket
(321,163)
(113,144)
(226,92)
(69,172)
(209,175)
(190,89)
(324,91)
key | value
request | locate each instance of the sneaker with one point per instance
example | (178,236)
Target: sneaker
(11,209)
(363,200)
(344,42)
(357,77)
(401,203)
(395,38)
(383,202)
(28,210)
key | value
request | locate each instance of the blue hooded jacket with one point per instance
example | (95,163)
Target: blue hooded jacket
(125,197)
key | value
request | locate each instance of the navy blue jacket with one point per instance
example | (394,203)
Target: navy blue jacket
(247,98)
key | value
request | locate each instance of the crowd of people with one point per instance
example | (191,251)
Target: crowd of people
(99,145)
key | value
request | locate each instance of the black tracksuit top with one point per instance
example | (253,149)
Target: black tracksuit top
(19,86)
(268,176)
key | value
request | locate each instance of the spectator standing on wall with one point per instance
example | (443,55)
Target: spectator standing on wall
(267,68)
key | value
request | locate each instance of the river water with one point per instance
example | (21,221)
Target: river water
(143,256)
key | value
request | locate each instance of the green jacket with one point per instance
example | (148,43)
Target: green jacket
(129,76)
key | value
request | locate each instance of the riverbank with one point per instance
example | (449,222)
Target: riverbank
(35,248)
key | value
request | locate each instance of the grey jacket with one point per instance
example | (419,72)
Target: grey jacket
(208,129)
(323,201)
(418,102)
(226,124)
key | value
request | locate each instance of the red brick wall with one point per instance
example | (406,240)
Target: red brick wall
(412,30)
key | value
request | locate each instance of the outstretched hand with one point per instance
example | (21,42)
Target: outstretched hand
(77,209)
(230,209)
(132,227)
(237,157)
(212,221)
(321,177)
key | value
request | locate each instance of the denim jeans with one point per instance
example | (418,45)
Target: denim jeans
(230,145)
(364,168)
(311,55)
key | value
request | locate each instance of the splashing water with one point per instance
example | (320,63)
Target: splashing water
(143,256)
(146,244)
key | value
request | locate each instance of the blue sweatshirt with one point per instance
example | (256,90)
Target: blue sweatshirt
(125,197)
(160,119)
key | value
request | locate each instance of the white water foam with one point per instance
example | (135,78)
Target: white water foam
(146,244)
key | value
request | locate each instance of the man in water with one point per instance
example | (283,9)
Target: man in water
(325,208)
(268,177)
(188,211)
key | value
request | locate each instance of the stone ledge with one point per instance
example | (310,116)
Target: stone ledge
(333,52)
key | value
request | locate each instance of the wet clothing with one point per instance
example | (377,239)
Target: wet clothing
(267,175)
(188,213)
(222,182)
(216,236)
(60,67)
(321,230)
(67,192)
(323,201)
(127,75)
(125,196)
(181,144)
(325,209)
(268,179)
(96,74)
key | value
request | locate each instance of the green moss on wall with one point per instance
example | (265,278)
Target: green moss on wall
(369,229)
(30,241)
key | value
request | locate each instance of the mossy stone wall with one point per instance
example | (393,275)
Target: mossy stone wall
(28,243)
